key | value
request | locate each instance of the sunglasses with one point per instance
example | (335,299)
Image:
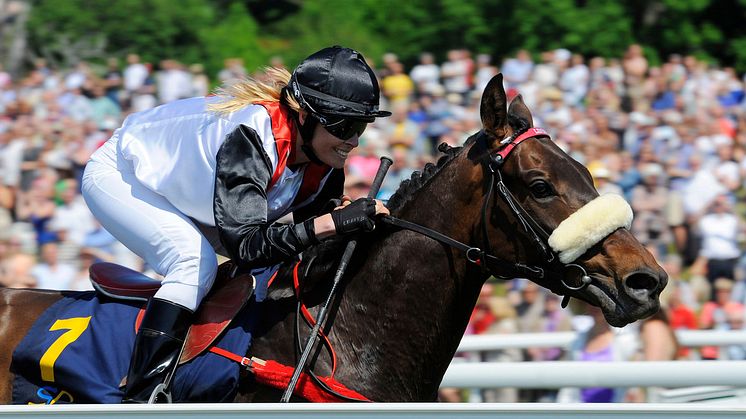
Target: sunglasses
(344,129)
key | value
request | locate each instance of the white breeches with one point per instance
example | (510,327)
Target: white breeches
(151,227)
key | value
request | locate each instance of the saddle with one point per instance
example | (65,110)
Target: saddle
(228,295)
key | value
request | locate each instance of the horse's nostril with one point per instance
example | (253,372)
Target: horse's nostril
(642,281)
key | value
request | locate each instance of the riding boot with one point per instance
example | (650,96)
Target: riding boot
(158,345)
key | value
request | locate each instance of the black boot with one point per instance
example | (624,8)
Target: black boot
(157,348)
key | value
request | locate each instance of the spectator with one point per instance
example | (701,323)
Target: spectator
(658,340)
(144,97)
(720,229)
(37,208)
(438,117)
(173,82)
(517,70)
(49,272)
(104,111)
(134,75)
(397,86)
(82,279)
(72,218)
(530,307)
(574,81)
(200,82)
(546,73)
(735,319)
(426,74)
(649,203)
(113,80)
(598,342)
(456,72)
(681,316)
(15,271)
(5,79)
(504,323)
(715,313)
(602,179)
(233,71)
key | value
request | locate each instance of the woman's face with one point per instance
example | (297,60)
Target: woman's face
(330,149)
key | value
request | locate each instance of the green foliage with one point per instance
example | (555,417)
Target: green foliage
(738,50)
(155,29)
(234,35)
(320,24)
(209,31)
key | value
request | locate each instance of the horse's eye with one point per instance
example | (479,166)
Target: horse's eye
(541,189)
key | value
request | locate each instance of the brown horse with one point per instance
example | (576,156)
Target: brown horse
(405,301)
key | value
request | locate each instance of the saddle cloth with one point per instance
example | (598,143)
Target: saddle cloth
(79,350)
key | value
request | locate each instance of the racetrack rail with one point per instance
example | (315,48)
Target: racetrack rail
(382,410)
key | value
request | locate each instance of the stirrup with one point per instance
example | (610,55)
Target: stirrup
(160,395)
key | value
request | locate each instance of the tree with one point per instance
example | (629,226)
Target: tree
(155,29)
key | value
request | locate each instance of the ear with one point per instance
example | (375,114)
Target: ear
(518,108)
(493,107)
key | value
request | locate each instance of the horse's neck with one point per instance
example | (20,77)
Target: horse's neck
(411,300)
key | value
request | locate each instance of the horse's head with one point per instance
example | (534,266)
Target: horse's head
(579,241)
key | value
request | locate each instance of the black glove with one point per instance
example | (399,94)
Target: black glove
(358,216)
(330,206)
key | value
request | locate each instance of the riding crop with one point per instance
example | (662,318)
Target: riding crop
(346,256)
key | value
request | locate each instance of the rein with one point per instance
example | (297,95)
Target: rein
(492,164)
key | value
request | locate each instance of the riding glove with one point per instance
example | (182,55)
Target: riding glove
(356,217)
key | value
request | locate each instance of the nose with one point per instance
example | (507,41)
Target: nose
(354,140)
(645,283)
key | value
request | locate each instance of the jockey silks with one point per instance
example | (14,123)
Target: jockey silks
(171,167)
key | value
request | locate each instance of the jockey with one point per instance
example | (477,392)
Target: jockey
(232,164)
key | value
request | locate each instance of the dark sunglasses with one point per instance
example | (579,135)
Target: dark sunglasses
(344,129)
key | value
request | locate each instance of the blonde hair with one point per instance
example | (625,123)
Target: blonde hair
(251,90)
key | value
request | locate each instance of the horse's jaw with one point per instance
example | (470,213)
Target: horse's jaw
(620,311)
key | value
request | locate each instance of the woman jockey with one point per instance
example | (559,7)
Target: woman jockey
(233,163)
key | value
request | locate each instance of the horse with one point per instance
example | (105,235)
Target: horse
(485,209)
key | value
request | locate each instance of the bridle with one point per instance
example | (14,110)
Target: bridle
(492,163)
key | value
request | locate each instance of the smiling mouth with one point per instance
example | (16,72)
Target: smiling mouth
(342,153)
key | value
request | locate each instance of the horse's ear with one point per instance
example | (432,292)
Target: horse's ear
(518,108)
(493,108)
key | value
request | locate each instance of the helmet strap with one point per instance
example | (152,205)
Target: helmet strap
(306,132)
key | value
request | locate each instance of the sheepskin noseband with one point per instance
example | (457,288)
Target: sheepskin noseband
(589,225)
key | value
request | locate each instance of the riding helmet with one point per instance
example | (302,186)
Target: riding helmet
(337,83)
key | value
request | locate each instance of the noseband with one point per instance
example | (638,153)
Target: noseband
(492,164)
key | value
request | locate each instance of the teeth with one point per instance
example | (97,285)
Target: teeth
(341,152)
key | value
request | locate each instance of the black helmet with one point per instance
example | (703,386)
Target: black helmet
(336,83)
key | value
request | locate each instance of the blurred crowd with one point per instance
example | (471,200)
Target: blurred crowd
(670,138)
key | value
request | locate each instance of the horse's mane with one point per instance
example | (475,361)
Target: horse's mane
(408,187)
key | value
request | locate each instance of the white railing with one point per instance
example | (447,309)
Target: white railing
(475,375)
(595,374)
(378,410)
(689,338)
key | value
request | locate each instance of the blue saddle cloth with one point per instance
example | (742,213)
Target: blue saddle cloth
(79,351)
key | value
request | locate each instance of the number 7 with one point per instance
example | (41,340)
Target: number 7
(76,326)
